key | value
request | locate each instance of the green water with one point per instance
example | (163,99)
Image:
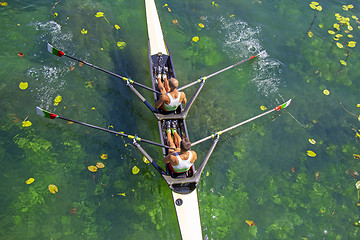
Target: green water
(249,175)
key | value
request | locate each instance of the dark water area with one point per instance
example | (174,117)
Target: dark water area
(260,172)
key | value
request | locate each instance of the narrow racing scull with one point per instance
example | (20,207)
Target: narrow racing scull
(183,185)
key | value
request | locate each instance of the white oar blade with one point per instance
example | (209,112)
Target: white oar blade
(40,112)
(44,113)
(54,51)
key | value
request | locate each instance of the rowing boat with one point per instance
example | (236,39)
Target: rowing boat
(184,185)
(184,195)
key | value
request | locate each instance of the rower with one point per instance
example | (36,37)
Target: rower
(171,99)
(182,158)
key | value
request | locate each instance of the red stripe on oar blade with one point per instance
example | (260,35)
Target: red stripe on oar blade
(52,115)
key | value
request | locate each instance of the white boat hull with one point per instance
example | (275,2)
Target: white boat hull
(187,210)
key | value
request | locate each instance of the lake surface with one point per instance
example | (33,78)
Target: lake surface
(259,172)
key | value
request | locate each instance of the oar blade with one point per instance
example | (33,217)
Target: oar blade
(55,51)
(284,105)
(46,114)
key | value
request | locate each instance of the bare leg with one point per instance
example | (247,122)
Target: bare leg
(166,83)
(161,87)
(177,139)
(170,141)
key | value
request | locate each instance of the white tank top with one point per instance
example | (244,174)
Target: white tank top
(183,165)
(174,103)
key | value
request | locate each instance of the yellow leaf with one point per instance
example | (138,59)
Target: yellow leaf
(195,39)
(93,108)
(122,194)
(350,27)
(121,45)
(3,4)
(359,117)
(145,160)
(357,184)
(23,85)
(55,15)
(354,17)
(26,123)
(326,92)
(338,35)
(84,31)
(262,107)
(312,6)
(311,153)
(201,25)
(99,14)
(169,10)
(350,36)
(104,156)
(343,62)
(336,39)
(92,168)
(337,26)
(117,26)
(135,170)
(232,15)
(30,181)
(250,223)
(356,156)
(53,189)
(358,105)
(352,44)
(100,165)
(312,141)
(165,5)
(315,3)
(345,8)
(321,25)
(58,99)
(319,8)
(350,6)
(331,32)
(339,45)
(310,34)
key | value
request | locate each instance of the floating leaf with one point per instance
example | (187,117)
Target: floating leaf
(339,45)
(53,189)
(3,4)
(312,141)
(319,8)
(99,14)
(84,31)
(100,165)
(359,117)
(104,156)
(145,160)
(321,26)
(175,21)
(357,184)
(352,44)
(23,85)
(338,35)
(55,15)
(250,223)
(92,168)
(313,6)
(72,68)
(122,194)
(201,25)
(356,156)
(93,108)
(311,153)
(195,39)
(57,100)
(30,181)
(315,3)
(135,170)
(350,36)
(354,17)
(169,10)
(343,62)
(26,123)
(121,45)
(117,26)
(214,4)
(262,107)
(331,32)
(345,8)
(326,92)
(337,26)
(20,54)
(310,34)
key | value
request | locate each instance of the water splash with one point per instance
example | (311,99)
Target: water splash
(242,41)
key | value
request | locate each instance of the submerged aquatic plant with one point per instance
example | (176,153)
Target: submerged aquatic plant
(317,8)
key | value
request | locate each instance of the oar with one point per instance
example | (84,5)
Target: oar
(59,53)
(50,115)
(220,71)
(278,108)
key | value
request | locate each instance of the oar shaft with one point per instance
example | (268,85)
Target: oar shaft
(109,131)
(111,73)
(220,71)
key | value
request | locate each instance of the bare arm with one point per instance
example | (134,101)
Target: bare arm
(184,101)
(160,102)
(166,159)
(194,156)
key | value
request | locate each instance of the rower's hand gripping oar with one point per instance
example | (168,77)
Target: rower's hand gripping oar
(220,71)
(278,108)
(50,115)
(59,53)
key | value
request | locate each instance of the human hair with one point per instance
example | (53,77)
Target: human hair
(185,144)
(173,83)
